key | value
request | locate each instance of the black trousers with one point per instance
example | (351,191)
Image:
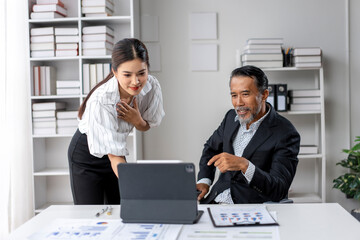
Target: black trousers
(92,179)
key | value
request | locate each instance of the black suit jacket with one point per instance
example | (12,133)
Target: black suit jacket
(273,150)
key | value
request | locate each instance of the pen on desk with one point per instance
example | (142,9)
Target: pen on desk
(101,212)
(109,211)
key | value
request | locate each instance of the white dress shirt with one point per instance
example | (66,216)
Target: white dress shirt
(106,134)
(241,141)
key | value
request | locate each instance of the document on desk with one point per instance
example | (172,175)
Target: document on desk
(205,231)
(112,229)
(240,216)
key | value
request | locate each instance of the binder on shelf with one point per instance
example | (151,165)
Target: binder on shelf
(272,94)
(281,97)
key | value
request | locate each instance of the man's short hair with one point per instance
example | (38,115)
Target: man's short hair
(253,72)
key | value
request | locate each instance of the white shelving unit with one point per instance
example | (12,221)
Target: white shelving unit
(51,179)
(309,182)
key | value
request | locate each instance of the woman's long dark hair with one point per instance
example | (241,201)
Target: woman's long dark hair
(124,50)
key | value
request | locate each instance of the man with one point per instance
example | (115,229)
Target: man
(254,148)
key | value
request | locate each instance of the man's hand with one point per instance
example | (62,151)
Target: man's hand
(229,162)
(204,188)
(131,115)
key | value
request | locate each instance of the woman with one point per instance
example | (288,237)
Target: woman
(128,97)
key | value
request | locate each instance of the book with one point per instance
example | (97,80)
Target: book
(262,57)
(98,29)
(45,15)
(86,78)
(67,46)
(67,83)
(299,59)
(44,124)
(251,41)
(97,44)
(50,8)
(42,31)
(270,50)
(48,106)
(98,9)
(99,72)
(308,149)
(95,3)
(305,107)
(262,46)
(98,14)
(67,122)
(67,91)
(36,80)
(42,46)
(107,69)
(66,53)
(304,93)
(50,76)
(307,64)
(66,114)
(67,39)
(42,80)
(44,131)
(44,114)
(98,37)
(42,39)
(297,100)
(93,75)
(97,52)
(66,130)
(58,2)
(66,31)
(307,51)
(264,64)
(45,119)
(42,53)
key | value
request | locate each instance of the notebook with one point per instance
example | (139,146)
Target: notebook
(158,193)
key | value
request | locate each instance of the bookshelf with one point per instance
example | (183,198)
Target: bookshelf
(51,181)
(309,184)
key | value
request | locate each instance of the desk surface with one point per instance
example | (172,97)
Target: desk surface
(297,221)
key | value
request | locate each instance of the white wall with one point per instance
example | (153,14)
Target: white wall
(195,102)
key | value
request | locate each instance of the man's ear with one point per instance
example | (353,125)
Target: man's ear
(265,94)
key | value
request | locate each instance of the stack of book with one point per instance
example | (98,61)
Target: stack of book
(42,42)
(307,57)
(43,80)
(44,117)
(67,42)
(97,8)
(263,52)
(68,87)
(308,149)
(97,40)
(93,74)
(47,9)
(305,100)
(66,122)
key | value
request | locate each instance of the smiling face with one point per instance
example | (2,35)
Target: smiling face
(132,76)
(248,102)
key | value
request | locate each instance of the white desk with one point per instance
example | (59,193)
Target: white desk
(297,221)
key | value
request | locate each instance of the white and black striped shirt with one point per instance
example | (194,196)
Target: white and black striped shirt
(106,134)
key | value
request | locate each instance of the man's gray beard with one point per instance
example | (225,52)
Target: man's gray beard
(252,116)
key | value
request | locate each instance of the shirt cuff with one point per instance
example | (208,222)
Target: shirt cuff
(205,180)
(249,174)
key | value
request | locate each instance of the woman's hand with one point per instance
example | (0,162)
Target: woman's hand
(131,115)
(115,160)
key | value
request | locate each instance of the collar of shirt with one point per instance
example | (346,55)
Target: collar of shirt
(254,125)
